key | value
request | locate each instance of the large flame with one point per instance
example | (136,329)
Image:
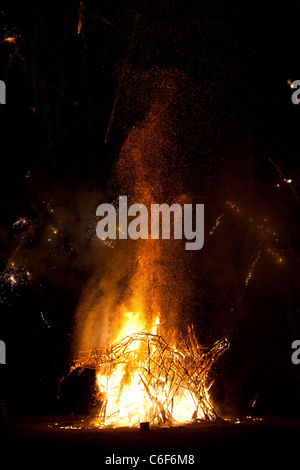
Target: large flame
(146,373)
(142,378)
(151,382)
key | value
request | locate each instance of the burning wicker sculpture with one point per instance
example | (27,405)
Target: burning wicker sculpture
(142,378)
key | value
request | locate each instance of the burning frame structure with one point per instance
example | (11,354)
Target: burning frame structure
(142,378)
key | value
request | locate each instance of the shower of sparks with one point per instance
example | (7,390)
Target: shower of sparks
(217,223)
(48,235)
(45,321)
(233,206)
(109,243)
(266,237)
(252,267)
(11,34)
(14,276)
(278,257)
(90,231)
(15,273)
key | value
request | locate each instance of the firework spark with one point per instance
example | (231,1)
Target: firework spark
(252,267)
(217,223)
(81,10)
(288,181)
(266,236)
(121,78)
(233,206)
(44,320)
(21,222)
(14,275)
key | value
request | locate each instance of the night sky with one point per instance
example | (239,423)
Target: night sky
(66,68)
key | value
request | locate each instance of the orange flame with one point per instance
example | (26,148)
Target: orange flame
(145,291)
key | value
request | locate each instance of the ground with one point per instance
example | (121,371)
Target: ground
(67,439)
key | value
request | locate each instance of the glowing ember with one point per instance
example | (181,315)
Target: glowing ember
(10,39)
(142,378)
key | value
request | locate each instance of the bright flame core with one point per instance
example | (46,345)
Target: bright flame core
(142,378)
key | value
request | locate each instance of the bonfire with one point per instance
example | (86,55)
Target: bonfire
(142,378)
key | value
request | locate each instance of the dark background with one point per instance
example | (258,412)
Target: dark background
(61,87)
